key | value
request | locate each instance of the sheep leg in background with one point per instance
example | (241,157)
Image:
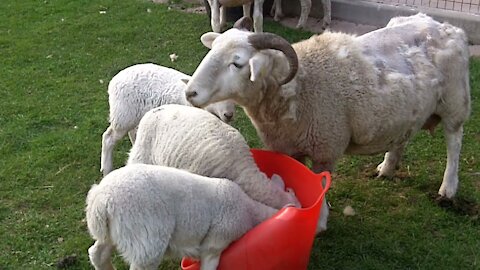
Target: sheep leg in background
(246,10)
(450,177)
(100,256)
(109,138)
(390,162)
(258,16)
(305,11)
(319,167)
(215,13)
(327,13)
(276,11)
(223,18)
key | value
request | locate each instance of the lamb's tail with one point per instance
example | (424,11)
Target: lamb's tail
(97,216)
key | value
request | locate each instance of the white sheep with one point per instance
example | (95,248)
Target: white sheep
(137,89)
(219,13)
(194,140)
(147,212)
(305,6)
(336,93)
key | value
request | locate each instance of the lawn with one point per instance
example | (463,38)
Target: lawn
(56,59)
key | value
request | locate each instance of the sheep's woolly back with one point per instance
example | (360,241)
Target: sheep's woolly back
(194,140)
(145,210)
(139,88)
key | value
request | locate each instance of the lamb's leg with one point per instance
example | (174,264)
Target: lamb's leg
(215,13)
(258,16)
(327,14)
(109,138)
(209,262)
(100,256)
(132,134)
(319,167)
(450,177)
(305,11)
(390,162)
(153,266)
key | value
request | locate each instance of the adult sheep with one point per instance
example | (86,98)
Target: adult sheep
(147,212)
(192,139)
(336,93)
(139,88)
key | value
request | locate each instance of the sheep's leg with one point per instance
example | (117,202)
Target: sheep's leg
(258,16)
(246,10)
(319,167)
(390,162)
(209,262)
(132,134)
(450,177)
(109,138)
(327,14)
(305,11)
(153,266)
(276,10)
(100,256)
(223,18)
(215,13)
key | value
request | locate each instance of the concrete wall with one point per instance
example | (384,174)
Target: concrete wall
(379,15)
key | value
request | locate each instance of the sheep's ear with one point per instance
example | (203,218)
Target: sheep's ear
(257,66)
(208,38)
(185,81)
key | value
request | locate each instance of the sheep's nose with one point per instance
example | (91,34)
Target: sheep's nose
(191,94)
(228,116)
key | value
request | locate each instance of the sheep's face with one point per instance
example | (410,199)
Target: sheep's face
(231,70)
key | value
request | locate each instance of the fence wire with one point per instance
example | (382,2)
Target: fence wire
(467,6)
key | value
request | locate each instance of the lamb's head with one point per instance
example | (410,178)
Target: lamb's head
(238,65)
(225,110)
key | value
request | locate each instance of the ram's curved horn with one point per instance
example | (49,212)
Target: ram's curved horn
(261,41)
(244,23)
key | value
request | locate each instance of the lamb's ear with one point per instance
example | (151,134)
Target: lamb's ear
(257,66)
(208,38)
(185,81)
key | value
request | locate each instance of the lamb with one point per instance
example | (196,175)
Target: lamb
(148,212)
(336,94)
(305,6)
(219,15)
(137,89)
(191,139)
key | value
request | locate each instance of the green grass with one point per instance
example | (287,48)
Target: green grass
(56,58)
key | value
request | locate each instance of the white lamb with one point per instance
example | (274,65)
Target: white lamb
(336,93)
(137,89)
(147,212)
(194,140)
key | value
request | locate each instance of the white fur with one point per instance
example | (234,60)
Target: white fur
(219,13)
(305,6)
(191,139)
(354,95)
(147,212)
(137,89)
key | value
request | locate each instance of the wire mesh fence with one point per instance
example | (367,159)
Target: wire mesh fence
(467,6)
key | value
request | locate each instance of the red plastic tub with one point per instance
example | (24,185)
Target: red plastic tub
(284,241)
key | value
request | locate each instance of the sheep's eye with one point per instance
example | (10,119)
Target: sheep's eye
(237,65)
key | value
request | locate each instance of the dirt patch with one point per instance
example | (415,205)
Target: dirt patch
(67,261)
(460,206)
